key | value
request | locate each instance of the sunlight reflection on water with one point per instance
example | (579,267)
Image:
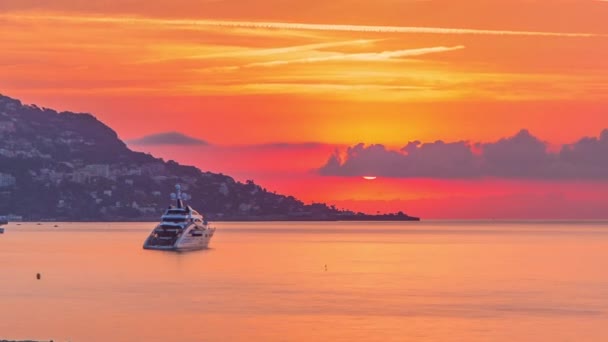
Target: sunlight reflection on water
(466,281)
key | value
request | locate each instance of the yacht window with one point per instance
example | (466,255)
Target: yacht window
(174,211)
(175,220)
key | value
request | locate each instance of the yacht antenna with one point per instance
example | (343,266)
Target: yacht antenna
(180,203)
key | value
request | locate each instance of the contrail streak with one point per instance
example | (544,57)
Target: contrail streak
(202,23)
(367,56)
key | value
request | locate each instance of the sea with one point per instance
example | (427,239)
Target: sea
(308,281)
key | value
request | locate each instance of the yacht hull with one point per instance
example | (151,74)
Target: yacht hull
(193,237)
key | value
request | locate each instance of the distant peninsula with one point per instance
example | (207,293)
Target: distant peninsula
(63,166)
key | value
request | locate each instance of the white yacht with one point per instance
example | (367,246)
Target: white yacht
(3,221)
(181,228)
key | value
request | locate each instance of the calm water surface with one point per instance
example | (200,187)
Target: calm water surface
(428,281)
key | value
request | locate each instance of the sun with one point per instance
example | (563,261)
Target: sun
(369,177)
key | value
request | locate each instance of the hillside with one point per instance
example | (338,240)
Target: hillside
(70,166)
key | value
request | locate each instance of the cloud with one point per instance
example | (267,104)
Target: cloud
(195,24)
(522,156)
(168,138)
(519,156)
(259,52)
(434,160)
(361,57)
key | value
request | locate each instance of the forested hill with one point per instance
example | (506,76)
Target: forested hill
(70,166)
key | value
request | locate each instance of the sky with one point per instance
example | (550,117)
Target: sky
(460,109)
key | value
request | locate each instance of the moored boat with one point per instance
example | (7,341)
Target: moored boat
(181,228)
(3,221)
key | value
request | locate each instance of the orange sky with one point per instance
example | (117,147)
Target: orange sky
(241,74)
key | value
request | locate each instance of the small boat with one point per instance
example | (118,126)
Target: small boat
(3,221)
(181,228)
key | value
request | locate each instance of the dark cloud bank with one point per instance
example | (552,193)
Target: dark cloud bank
(168,138)
(522,156)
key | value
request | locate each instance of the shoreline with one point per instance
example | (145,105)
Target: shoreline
(411,219)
